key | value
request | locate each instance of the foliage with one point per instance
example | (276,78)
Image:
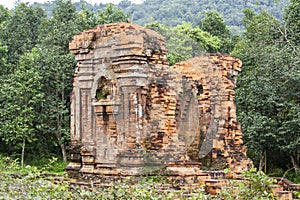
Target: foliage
(4,15)
(28,183)
(57,66)
(179,45)
(52,164)
(111,14)
(32,184)
(292,20)
(214,24)
(185,41)
(20,30)
(174,12)
(203,38)
(268,93)
(87,18)
(3,59)
(22,98)
(254,185)
(292,176)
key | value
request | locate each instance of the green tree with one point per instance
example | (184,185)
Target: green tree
(4,15)
(203,38)
(20,30)
(57,66)
(3,59)
(255,95)
(185,41)
(21,97)
(290,35)
(174,12)
(86,18)
(267,96)
(110,14)
(214,24)
(180,46)
(292,20)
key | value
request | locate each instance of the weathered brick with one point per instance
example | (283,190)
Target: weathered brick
(130,110)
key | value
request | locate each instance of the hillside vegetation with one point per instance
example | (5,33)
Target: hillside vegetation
(174,12)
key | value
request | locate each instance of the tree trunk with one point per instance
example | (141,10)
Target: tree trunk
(62,146)
(59,119)
(64,152)
(295,164)
(23,153)
(263,161)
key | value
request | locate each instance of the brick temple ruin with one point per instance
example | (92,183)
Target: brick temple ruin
(132,113)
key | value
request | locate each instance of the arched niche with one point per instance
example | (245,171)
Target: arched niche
(104,86)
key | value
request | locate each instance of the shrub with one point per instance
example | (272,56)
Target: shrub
(253,185)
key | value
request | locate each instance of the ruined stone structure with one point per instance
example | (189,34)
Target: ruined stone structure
(132,113)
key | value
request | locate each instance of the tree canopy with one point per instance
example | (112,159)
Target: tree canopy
(268,87)
(174,12)
(37,68)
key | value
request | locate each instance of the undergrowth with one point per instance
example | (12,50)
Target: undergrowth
(30,183)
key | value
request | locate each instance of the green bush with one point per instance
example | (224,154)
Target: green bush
(253,185)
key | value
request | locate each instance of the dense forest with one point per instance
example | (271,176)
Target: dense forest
(174,12)
(37,69)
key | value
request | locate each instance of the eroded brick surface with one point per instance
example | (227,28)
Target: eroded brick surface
(132,113)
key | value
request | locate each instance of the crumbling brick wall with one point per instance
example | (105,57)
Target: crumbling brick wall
(220,141)
(132,112)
